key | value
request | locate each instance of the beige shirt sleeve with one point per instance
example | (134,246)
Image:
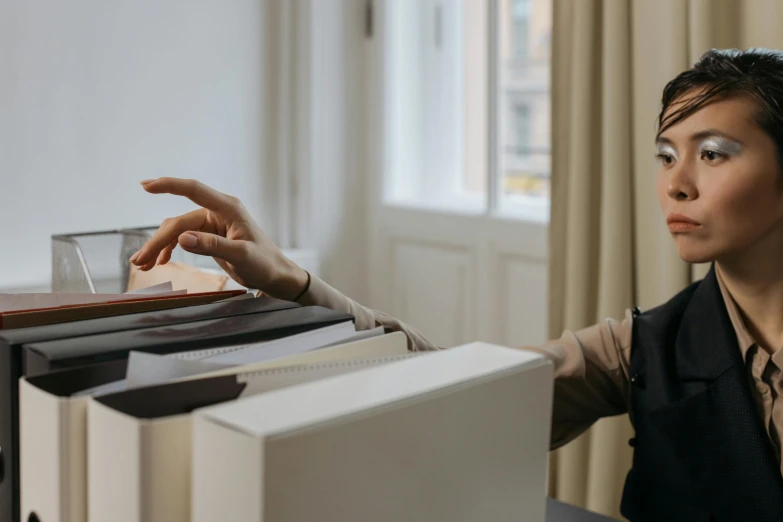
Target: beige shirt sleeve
(321,294)
(591,365)
(591,376)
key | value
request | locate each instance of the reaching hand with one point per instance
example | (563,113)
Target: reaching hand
(223,229)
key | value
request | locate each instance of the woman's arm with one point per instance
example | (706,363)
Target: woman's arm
(591,365)
(222,228)
(591,376)
(321,294)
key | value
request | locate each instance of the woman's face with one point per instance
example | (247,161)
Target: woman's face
(720,185)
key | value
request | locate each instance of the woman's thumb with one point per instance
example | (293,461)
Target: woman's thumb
(212,245)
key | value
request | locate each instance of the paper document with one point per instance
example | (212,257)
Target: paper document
(103,389)
(270,379)
(358,336)
(154,289)
(394,343)
(145,369)
(220,350)
(291,345)
(180,275)
(246,295)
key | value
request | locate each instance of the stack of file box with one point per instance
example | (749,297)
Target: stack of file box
(14,340)
(263,410)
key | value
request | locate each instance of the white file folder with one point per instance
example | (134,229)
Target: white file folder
(140,440)
(53,425)
(53,442)
(459,435)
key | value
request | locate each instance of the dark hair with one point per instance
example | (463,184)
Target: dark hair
(721,73)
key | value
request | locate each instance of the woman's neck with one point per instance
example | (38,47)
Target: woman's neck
(755,282)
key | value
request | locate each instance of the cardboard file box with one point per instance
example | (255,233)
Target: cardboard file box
(459,435)
(139,440)
(12,367)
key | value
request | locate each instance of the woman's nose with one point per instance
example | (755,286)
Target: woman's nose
(681,186)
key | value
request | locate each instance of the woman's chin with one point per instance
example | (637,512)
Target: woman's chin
(695,253)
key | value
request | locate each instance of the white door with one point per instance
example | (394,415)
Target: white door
(459,151)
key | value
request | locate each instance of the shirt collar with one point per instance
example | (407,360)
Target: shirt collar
(744,337)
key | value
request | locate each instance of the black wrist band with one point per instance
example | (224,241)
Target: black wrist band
(306,288)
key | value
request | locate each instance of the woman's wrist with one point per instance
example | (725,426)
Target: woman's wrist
(304,287)
(292,284)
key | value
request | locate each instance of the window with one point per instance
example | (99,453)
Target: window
(520,16)
(467,105)
(521,129)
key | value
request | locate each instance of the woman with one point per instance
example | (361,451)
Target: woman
(702,375)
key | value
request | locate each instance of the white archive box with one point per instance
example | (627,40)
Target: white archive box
(139,451)
(53,424)
(459,435)
(53,441)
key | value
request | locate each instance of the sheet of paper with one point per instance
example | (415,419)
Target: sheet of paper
(230,283)
(358,336)
(103,389)
(269,380)
(246,295)
(181,276)
(154,289)
(206,352)
(291,345)
(145,369)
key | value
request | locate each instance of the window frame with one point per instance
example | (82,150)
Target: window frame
(493,202)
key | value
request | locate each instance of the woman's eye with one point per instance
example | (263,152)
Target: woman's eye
(711,155)
(664,158)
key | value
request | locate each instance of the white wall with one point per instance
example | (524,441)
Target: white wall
(97,95)
(332,198)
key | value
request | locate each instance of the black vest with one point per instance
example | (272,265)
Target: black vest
(701,450)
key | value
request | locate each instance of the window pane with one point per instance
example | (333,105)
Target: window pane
(436,130)
(525,28)
(438,62)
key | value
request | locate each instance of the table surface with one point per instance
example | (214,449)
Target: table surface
(559,512)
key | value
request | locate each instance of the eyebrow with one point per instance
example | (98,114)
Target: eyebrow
(699,136)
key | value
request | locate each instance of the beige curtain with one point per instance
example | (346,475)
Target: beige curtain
(609,247)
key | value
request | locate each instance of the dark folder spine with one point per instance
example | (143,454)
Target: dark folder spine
(10,368)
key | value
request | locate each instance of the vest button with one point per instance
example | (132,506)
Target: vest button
(637,380)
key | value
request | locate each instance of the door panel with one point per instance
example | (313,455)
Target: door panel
(457,276)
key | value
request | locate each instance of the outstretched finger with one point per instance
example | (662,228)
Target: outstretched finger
(199,193)
(165,254)
(148,266)
(168,233)
(216,246)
